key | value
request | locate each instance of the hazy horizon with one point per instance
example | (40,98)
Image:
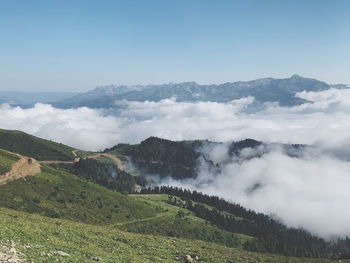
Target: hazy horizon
(163,83)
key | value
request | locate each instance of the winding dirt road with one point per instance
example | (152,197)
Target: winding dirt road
(115,159)
(27,166)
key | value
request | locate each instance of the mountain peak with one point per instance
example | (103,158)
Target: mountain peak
(296,76)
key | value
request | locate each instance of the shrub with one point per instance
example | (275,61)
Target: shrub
(37,200)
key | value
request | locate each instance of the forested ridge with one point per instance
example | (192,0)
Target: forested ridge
(107,175)
(163,157)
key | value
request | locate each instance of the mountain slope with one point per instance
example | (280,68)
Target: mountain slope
(180,159)
(28,145)
(163,157)
(20,167)
(164,211)
(59,194)
(7,159)
(43,239)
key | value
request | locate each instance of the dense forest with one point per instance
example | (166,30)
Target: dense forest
(106,174)
(236,147)
(271,235)
(179,159)
(163,157)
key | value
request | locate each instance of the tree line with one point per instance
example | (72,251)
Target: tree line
(107,175)
(271,235)
(163,157)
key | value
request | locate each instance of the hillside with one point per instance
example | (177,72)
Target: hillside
(86,219)
(162,157)
(174,221)
(179,159)
(7,159)
(59,194)
(41,239)
(28,145)
(18,167)
(88,193)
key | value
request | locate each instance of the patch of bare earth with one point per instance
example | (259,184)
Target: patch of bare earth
(26,166)
(115,159)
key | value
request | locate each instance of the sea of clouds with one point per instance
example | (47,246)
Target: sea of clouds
(311,190)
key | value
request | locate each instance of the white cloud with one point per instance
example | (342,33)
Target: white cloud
(327,119)
(311,191)
(83,128)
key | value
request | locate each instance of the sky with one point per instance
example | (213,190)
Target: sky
(78,45)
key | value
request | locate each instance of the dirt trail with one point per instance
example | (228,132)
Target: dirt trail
(76,159)
(141,220)
(26,166)
(115,159)
(55,162)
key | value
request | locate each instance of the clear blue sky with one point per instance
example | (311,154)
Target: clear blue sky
(77,45)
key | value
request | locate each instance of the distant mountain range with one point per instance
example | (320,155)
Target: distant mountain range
(263,90)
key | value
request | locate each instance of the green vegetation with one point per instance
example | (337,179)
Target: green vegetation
(178,222)
(105,159)
(71,209)
(163,157)
(28,145)
(56,193)
(6,161)
(106,174)
(87,221)
(270,235)
(39,237)
(83,154)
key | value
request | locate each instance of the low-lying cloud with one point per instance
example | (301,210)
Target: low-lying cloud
(82,128)
(309,191)
(325,120)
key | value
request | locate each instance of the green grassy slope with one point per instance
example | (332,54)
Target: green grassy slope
(38,238)
(59,194)
(28,145)
(6,161)
(178,222)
